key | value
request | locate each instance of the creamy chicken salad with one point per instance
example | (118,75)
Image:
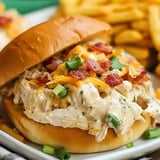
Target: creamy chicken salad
(90,86)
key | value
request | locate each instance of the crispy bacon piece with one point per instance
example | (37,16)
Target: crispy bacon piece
(142,77)
(42,80)
(94,66)
(79,74)
(51,64)
(106,65)
(101,47)
(4,21)
(113,79)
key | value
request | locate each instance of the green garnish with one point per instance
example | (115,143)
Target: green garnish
(62,154)
(116,64)
(63,93)
(130,145)
(48,149)
(59,152)
(152,133)
(112,121)
(74,63)
(60,91)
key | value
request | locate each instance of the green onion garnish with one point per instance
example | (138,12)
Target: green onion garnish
(116,64)
(63,93)
(74,63)
(62,154)
(48,149)
(130,145)
(60,90)
(59,152)
(152,133)
(112,121)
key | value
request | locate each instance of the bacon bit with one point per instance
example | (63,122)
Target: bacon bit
(4,21)
(42,80)
(79,74)
(113,80)
(106,65)
(94,66)
(101,47)
(51,64)
(142,77)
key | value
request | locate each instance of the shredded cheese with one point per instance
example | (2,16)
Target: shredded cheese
(62,79)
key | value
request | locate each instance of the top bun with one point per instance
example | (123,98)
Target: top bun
(44,40)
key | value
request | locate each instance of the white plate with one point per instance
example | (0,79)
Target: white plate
(34,152)
(40,16)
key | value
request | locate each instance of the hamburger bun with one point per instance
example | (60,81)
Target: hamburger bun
(44,40)
(73,139)
(36,45)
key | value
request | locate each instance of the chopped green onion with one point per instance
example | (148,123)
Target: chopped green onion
(61,91)
(130,145)
(153,133)
(74,63)
(48,149)
(58,89)
(62,154)
(59,152)
(112,121)
(116,64)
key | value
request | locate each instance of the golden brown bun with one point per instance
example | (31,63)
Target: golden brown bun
(44,40)
(73,139)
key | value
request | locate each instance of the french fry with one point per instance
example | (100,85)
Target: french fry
(157,70)
(145,42)
(124,16)
(153,1)
(83,10)
(141,25)
(10,131)
(139,52)
(128,36)
(154,23)
(97,2)
(119,28)
(121,1)
(106,9)
(142,5)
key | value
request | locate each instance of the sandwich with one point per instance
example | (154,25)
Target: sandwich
(63,84)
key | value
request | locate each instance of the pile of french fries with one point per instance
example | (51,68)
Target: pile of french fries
(135,25)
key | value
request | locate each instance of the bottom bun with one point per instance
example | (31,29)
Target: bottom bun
(73,139)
